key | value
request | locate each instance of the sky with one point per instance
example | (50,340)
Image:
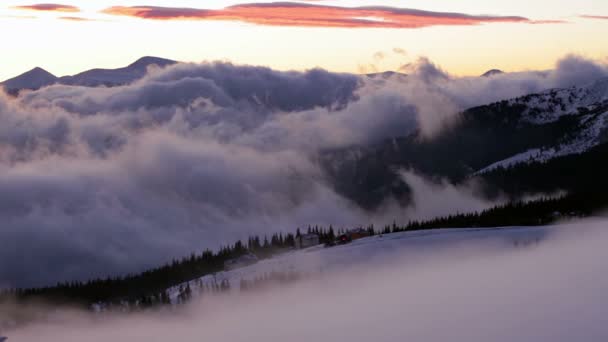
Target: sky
(464,37)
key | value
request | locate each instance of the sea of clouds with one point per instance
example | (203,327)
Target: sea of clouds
(103,181)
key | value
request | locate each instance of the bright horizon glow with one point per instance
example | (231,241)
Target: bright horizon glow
(62,47)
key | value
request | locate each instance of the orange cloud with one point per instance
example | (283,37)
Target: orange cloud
(309,15)
(48,7)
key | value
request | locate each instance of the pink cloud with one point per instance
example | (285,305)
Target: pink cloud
(312,15)
(48,8)
(595,17)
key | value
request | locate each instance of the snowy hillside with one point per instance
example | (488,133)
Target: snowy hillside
(592,133)
(414,245)
(549,106)
(589,105)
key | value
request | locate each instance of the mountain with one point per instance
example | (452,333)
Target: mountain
(38,78)
(386,75)
(586,105)
(580,173)
(33,79)
(531,128)
(492,72)
(115,77)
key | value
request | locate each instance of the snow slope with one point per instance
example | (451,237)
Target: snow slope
(588,104)
(591,135)
(552,104)
(416,245)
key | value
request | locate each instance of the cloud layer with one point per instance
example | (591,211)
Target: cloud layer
(99,181)
(312,15)
(48,8)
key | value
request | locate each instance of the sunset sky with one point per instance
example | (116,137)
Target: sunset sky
(465,37)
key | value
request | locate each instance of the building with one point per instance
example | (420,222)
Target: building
(358,233)
(242,261)
(351,235)
(307,240)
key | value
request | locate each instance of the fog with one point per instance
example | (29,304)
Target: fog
(471,286)
(104,181)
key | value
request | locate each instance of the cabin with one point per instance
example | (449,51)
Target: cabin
(358,233)
(242,261)
(306,240)
(351,235)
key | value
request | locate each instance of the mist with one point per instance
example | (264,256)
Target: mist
(524,284)
(106,181)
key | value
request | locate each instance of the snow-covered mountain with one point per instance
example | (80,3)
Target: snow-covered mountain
(535,127)
(587,106)
(38,77)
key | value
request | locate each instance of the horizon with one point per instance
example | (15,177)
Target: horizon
(396,71)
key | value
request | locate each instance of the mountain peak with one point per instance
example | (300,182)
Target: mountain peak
(38,72)
(492,72)
(143,62)
(33,79)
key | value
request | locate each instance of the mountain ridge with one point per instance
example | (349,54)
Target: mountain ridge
(38,78)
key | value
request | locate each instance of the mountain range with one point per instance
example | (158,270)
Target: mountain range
(38,77)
